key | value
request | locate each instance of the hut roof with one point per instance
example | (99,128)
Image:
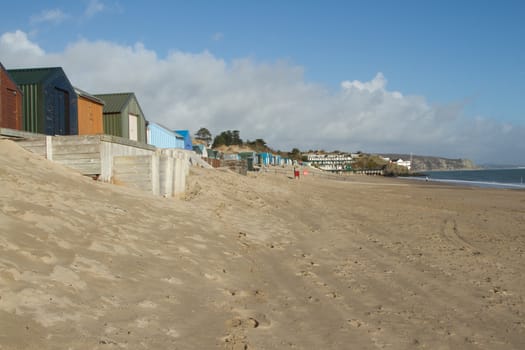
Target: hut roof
(177,135)
(34,75)
(88,96)
(115,103)
(2,68)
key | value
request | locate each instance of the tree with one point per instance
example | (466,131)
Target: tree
(204,135)
(236,138)
(295,154)
(219,140)
(228,138)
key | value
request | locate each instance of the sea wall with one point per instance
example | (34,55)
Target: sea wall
(117,160)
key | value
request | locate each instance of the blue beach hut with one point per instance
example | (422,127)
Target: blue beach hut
(162,137)
(188,145)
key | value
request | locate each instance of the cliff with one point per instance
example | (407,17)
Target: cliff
(422,163)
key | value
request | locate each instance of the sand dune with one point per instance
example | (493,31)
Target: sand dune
(256,262)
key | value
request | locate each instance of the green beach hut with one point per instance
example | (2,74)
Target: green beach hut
(123,116)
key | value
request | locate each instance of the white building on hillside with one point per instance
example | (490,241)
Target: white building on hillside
(330,161)
(406,163)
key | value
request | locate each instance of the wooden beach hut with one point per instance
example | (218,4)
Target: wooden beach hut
(123,116)
(49,101)
(10,101)
(90,111)
(162,137)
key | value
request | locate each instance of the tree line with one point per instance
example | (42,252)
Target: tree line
(233,138)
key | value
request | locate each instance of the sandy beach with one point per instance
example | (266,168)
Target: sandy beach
(256,262)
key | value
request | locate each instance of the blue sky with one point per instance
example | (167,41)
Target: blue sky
(454,69)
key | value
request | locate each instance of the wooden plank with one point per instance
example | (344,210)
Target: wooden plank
(128,142)
(139,166)
(38,142)
(133,172)
(79,156)
(76,140)
(132,164)
(84,169)
(77,149)
(78,163)
(19,134)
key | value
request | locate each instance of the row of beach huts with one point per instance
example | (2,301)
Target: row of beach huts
(43,101)
(106,136)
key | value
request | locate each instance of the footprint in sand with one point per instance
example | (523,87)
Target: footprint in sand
(173,280)
(249,319)
(172,333)
(147,304)
(141,322)
(184,250)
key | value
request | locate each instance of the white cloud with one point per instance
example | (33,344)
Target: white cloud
(376,84)
(94,7)
(17,48)
(54,16)
(273,101)
(217,36)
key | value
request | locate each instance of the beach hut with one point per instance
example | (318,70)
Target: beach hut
(250,158)
(187,139)
(49,101)
(264,158)
(90,112)
(123,116)
(201,150)
(231,156)
(162,137)
(214,158)
(213,154)
(10,101)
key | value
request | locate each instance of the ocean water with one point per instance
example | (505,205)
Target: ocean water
(497,178)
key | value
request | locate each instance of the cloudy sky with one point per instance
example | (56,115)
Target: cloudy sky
(443,78)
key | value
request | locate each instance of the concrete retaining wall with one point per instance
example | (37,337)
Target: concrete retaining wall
(117,160)
(141,172)
(162,173)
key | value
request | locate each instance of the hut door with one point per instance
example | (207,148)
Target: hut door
(11,112)
(61,121)
(133,128)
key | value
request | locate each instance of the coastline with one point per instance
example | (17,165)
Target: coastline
(489,178)
(259,261)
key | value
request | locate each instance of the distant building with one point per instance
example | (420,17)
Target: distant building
(406,163)
(10,102)
(49,101)
(162,137)
(330,161)
(123,116)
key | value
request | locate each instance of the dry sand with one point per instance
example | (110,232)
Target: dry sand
(257,262)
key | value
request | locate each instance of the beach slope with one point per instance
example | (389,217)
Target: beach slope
(256,262)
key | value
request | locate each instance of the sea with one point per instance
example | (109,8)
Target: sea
(494,178)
